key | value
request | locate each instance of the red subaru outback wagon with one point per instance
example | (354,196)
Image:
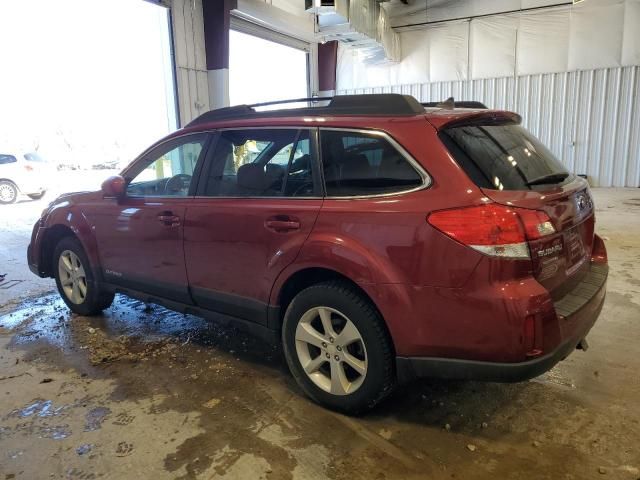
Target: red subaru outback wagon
(378,239)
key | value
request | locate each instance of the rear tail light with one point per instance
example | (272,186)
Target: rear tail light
(494,229)
(537,224)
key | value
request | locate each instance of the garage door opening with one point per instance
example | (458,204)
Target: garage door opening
(262,70)
(86,85)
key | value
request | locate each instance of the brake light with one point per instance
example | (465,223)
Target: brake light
(493,229)
(537,224)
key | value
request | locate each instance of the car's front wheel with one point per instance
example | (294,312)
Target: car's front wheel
(337,347)
(75,279)
(8,192)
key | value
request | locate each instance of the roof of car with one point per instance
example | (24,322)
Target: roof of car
(339,107)
(360,105)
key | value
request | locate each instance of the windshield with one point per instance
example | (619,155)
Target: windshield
(503,157)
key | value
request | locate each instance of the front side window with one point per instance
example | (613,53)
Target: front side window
(261,163)
(4,159)
(167,172)
(357,164)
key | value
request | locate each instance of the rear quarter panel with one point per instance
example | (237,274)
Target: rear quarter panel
(386,245)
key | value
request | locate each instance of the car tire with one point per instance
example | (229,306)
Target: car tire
(347,366)
(76,281)
(8,192)
(37,196)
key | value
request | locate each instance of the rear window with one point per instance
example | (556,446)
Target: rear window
(503,157)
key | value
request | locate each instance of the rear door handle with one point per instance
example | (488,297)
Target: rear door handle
(169,219)
(282,225)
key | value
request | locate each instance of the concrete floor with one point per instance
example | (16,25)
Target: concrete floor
(145,393)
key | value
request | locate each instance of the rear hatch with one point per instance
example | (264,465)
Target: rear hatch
(513,168)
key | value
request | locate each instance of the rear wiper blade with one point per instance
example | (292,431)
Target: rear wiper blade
(551,178)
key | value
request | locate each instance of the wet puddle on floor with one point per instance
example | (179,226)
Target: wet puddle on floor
(34,418)
(47,318)
(39,408)
(128,330)
(95,418)
(143,351)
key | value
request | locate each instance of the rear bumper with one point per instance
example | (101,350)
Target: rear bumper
(577,313)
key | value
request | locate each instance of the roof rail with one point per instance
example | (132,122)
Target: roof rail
(450,104)
(295,100)
(366,104)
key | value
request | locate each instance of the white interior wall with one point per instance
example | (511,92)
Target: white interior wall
(190,62)
(284,16)
(590,35)
(571,72)
(590,119)
(192,79)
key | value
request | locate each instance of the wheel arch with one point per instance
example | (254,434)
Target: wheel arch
(305,277)
(52,237)
(2,179)
(78,229)
(302,278)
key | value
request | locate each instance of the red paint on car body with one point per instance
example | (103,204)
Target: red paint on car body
(438,297)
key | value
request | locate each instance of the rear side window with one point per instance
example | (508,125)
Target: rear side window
(503,157)
(4,159)
(356,164)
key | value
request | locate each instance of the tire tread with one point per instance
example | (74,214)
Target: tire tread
(377,323)
(100,299)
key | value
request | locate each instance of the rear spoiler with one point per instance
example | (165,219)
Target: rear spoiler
(455,104)
(487,118)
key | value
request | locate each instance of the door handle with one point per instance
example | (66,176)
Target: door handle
(169,219)
(284,224)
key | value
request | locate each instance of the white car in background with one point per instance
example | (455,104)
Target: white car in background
(23,173)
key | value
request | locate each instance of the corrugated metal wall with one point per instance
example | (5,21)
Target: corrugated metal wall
(190,61)
(590,119)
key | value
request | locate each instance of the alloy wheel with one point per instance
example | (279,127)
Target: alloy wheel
(72,277)
(331,350)
(7,193)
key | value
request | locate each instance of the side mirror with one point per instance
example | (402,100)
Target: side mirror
(114,187)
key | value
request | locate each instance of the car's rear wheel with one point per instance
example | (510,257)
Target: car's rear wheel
(75,280)
(337,347)
(8,192)
(37,196)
